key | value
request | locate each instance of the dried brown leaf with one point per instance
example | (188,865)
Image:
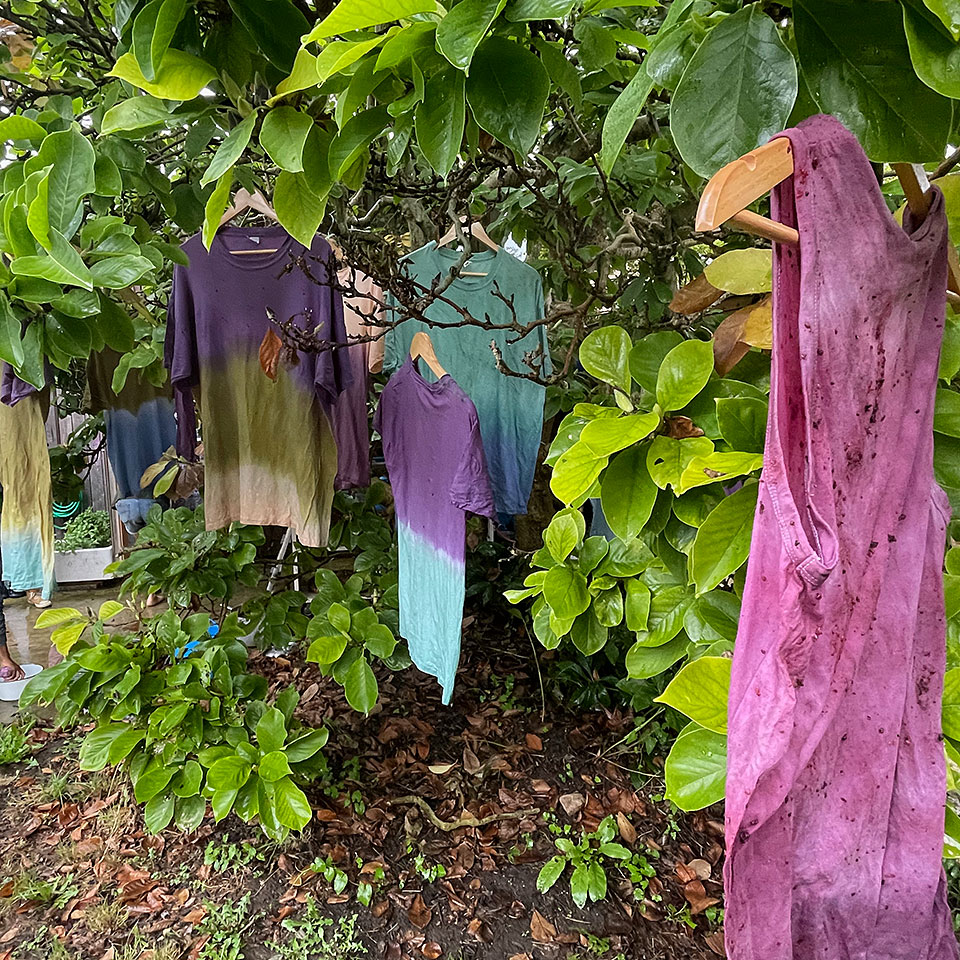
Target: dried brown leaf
(541,929)
(715,942)
(419,913)
(695,296)
(701,868)
(628,832)
(270,348)
(533,742)
(572,803)
(432,950)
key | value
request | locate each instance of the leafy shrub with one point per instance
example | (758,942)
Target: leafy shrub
(177,556)
(87,530)
(175,706)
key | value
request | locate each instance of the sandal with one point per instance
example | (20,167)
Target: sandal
(35,597)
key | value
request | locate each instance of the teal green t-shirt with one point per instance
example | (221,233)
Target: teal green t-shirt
(510,409)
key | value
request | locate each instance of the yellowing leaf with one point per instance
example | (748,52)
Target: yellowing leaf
(180,76)
(742,271)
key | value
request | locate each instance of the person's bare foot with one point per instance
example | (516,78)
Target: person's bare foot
(9,669)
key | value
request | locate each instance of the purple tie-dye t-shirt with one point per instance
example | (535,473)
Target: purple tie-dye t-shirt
(269,451)
(434,454)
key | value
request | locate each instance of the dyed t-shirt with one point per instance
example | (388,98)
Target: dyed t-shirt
(510,408)
(435,459)
(351,423)
(269,452)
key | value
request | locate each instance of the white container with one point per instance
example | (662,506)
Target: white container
(83,566)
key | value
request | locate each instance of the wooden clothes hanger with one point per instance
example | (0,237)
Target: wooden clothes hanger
(475,230)
(756,173)
(422,346)
(242,202)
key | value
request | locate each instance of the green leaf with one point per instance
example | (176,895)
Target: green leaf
(520,10)
(935,58)
(736,92)
(153,30)
(63,265)
(588,634)
(350,15)
(608,607)
(627,493)
(621,117)
(327,648)
(109,609)
(303,748)
(222,802)
(507,92)
(684,373)
(291,804)
(948,12)
(336,57)
(187,782)
(647,355)
(723,540)
(605,354)
(72,177)
(696,768)
(180,76)
(565,590)
(95,749)
(230,151)
(303,76)
(667,458)
(596,882)
(115,273)
(283,135)
(299,210)
(606,435)
(355,137)
(550,873)
(189,813)
(140,113)
(742,271)
(580,884)
(951,704)
(575,472)
(152,780)
(123,746)
(271,730)
(462,29)
(11,346)
(65,638)
(858,68)
(216,207)
(717,468)
(701,691)
(946,415)
(273,766)
(643,661)
(114,325)
(228,773)
(440,117)
(109,183)
(360,686)
(17,127)
(564,534)
(158,813)
(638,605)
(743,422)
(277,26)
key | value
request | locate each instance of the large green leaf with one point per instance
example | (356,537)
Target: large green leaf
(230,151)
(742,271)
(621,116)
(723,539)
(507,92)
(606,435)
(11,346)
(565,590)
(564,534)
(61,265)
(743,422)
(298,208)
(73,159)
(283,135)
(520,10)
(701,691)
(718,468)
(350,15)
(627,493)
(407,41)
(95,749)
(948,12)
(277,26)
(946,416)
(935,58)
(140,113)
(575,472)
(587,633)
(153,30)
(647,355)
(643,661)
(684,373)
(858,68)
(950,710)
(462,29)
(17,127)
(736,92)
(337,56)
(180,76)
(605,354)
(303,76)
(291,804)
(357,134)
(158,812)
(667,458)
(360,686)
(696,768)
(216,206)
(115,273)
(440,118)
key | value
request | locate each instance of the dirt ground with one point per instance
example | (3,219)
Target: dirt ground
(374,875)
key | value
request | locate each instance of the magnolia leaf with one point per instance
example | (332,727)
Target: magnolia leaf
(216,207)
(565,590)
(621,117)
(723,539)
(643,661)
(717,467)
(605,436)
(605,354)
(283,135)
(948,12)
(230,151)
(439,119)
(462,29)
(935,58)
(946,415)
(360,686)
(299,209)
(684,373)
(696,768)
(17,127)
(350,15)
(575,472)
(303,76)
(742,271)
(700,691)
(627,493)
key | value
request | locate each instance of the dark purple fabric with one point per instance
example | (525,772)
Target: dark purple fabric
(835,773)
(12,388)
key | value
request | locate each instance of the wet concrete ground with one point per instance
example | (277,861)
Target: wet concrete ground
(27,644)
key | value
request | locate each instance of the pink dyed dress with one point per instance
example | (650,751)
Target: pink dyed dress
(835,783)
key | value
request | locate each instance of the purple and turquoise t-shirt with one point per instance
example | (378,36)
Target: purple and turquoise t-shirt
(269,450)
(438,471)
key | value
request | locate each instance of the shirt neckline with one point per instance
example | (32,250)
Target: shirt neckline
(279,238)
(434,386)
(488,261)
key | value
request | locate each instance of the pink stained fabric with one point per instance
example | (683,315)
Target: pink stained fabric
(835,772)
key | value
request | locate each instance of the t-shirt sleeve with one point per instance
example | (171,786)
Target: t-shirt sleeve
(332,372)
(470,489)
(180,355)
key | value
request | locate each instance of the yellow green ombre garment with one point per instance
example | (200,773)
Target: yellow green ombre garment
(26,521)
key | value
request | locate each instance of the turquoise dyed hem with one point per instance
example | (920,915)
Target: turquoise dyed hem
(23,566)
